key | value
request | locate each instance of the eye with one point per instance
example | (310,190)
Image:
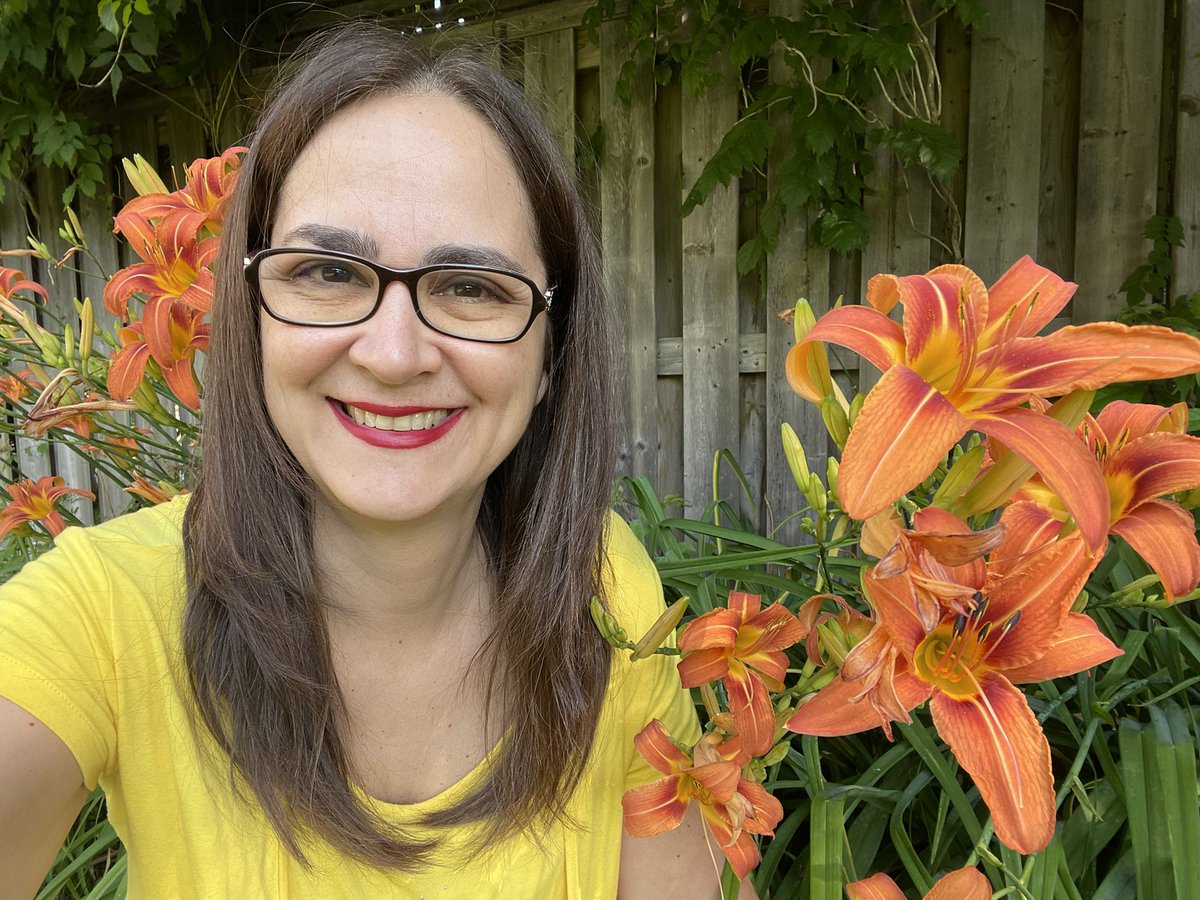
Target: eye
(328,271)
(469,287)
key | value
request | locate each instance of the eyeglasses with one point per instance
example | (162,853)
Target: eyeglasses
(325,289)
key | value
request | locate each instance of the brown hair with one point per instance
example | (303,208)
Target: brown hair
(255,643)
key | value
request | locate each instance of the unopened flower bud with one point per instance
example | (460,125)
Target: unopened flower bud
(661,629)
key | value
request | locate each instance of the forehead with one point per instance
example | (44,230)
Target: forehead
(409,172)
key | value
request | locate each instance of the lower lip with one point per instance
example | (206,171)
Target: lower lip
(394,440)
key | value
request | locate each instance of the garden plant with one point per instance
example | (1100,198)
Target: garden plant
(977,676)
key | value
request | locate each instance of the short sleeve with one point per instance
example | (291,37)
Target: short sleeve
(56,659)
(651,686)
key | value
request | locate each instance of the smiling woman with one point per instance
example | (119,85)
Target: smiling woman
(359,661)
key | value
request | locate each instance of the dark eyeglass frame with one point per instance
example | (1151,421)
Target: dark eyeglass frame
(408,277)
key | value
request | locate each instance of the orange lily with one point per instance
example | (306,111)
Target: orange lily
(18,386)
(744,648)
(170,333)
(155,493)
(734,807)
(1004,622)
(11,281)
(34,501)
(196,208)
(968,357)
(1144,453)
(175,266)
(966,883)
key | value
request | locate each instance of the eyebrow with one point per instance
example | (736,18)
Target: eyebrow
(343,240)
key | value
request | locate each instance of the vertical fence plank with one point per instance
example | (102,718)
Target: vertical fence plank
(710,289)
(796,269)
(1005,137)
(668,280)
(1187,154)
(1118,148)
(550,83)
(1060,138)
(62,286)
(627,238)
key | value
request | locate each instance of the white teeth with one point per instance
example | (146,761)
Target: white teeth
(416,422)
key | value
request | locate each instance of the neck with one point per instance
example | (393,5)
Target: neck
(417,579)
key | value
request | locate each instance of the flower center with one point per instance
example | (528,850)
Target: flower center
(947,659)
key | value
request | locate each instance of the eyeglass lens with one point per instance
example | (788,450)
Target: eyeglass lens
(315,289)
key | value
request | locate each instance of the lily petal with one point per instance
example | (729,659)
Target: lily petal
(1164,535)
(702,666)
(1135,420)
(1086,357)
(866,331)
(967,883)
(1154,465)
(741,851)
(1028,527)
(997,739)
(653,808)
(753,712)
(1025,299)
(877,887)
(717,628)
(655,746)
(905,428)
(1064,462)
(1077,645)
(832,712)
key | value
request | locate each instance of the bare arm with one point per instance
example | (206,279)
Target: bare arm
(683,864)
(41,793)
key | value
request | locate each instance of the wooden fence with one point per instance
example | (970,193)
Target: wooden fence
(1080,119)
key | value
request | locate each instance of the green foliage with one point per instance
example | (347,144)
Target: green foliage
(1123,737)
(62,60)
(858,76)
(1148,302)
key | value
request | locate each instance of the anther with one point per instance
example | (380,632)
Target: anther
(960,624)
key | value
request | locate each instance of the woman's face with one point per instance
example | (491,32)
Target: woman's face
(404,181)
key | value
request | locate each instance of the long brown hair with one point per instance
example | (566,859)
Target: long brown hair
(255,643)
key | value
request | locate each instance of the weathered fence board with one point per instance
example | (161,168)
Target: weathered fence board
(710,289)
(668,282)
(1005,135)
(627,242)
(1187,153)
(1118,148)
(550,82)
(1060,138)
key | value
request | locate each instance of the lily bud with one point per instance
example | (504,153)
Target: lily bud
(69,345)
(856,406)
(147,402)
(835,419)
(793,452)
(709,697)
(87,332)
(831,476)
(609,628)
(48,344)
(815,358)
(143,177)
(959,478)
(777,754)
(661,629)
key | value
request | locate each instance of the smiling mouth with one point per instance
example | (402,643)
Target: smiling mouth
(421,421)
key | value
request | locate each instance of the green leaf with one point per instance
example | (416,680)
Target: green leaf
(743,147)
(920,143)
(843,227)
(108,17)
(137,63)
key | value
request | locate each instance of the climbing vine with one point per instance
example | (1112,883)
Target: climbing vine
(859,75)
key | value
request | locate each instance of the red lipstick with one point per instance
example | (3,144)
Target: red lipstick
(393,440)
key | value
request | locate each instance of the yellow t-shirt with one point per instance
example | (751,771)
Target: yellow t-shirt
(90,645)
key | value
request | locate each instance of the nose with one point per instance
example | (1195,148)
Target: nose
(394,345)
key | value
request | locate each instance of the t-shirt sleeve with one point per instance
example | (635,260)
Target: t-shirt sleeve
(651,686)
(56,658)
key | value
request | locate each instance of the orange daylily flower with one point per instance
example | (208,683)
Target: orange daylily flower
(155,493)
(966,883)
(196,208)
(1144,452)
(170,333)
(968,357)
(175,267)
(11,281)
(742,647)
(734,807)
(1003,622)
(34,501)
(17,386)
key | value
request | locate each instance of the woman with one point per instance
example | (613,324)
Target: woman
(379,676)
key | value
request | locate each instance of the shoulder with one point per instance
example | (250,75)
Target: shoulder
(633,589)
(136,546)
